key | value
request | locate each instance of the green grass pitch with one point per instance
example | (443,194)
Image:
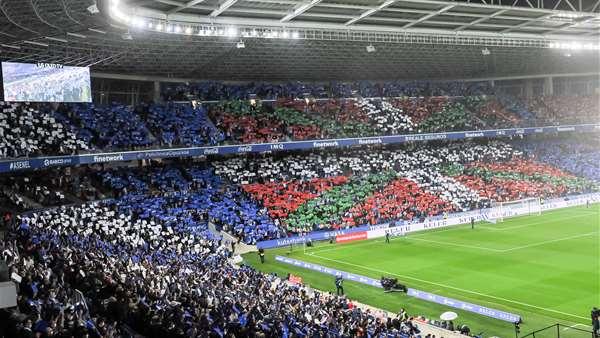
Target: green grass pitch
(545,268)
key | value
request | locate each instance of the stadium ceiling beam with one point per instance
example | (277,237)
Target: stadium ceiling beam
(429,16)
(569,25)
(222,8)
(300,10)
(169,2)
(188,4)
(480,20)
(370,12)
(528,22)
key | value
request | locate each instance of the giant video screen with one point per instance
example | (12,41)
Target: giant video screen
(45,82)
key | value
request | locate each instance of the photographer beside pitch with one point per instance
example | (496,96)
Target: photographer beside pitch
(339,285)
(595,322)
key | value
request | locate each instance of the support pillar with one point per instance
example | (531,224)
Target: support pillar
(528,89)
(548,86)
(156,92)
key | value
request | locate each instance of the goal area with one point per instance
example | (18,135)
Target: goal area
(522,207)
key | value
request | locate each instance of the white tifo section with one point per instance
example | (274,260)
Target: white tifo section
(518,209)
(526,206)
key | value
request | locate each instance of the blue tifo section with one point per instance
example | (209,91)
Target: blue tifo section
(54,161)
(430,297)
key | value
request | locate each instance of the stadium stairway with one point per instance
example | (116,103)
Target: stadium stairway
(241,247)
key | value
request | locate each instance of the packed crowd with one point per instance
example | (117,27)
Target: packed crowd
(25,131)
(86,127)
(578,155)
(110,127)
(147,264)
(323,190)
(149,259)
(180,124)
(566,109)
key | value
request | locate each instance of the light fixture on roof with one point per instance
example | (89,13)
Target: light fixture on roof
(485,52)
(371,49)
(254,32)
(285,34)
(232,32)
(295,35)
(126,36)
(159,27)
(138,22)
(77,35)
(177,29)
(93,9)
(240,45)
(188,30)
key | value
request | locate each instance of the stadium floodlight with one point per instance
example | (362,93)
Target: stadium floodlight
(138,22)
(254,32)
(285,34)
(93,9)
(159,27)
(35,43)
(295,35)
(56,39)
(126,36)
(371,49)
(232,32)
(177,29)
(77,35)
(188,30)
(96,30)
(10,46)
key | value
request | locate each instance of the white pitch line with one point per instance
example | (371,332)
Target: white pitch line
(549,241)
(576,325)
(528,224)
(455,244)
(453,288)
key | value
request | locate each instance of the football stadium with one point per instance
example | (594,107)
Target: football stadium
(300,168)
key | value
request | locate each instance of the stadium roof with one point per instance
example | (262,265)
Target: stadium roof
(306,39)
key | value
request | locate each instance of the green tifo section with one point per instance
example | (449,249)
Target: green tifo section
(332,204)
(545,268)
(570,182)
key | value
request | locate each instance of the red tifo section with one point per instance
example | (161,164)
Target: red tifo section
(401,199)
(283,198)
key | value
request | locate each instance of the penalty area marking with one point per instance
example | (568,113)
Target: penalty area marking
(451,287)
(529,224)
(416,238)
